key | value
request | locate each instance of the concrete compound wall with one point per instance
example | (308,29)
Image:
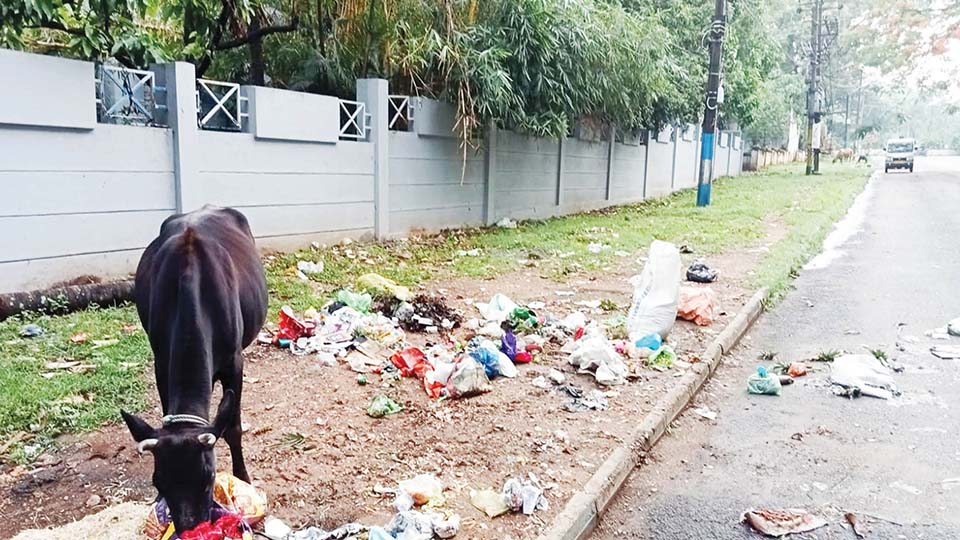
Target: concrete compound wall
(79,197)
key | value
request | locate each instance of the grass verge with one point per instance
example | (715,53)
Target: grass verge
(39,402)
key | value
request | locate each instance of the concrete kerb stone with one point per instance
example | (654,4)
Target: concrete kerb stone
(582,512)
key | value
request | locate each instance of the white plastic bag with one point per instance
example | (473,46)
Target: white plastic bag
(656,292)
(594,354)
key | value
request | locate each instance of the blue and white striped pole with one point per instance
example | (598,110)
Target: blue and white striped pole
(712,102)
(706,169)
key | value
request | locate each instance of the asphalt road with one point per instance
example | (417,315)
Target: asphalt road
(884,460)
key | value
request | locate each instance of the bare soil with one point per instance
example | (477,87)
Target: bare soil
(318,456)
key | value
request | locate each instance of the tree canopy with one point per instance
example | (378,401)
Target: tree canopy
(537,66)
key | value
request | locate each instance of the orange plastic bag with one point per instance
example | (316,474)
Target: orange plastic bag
(697,304)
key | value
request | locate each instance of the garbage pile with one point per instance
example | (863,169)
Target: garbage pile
(366,329)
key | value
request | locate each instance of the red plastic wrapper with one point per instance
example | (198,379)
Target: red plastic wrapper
(523,358)
(291,327)
(579,334)
(228,527)
(411,362)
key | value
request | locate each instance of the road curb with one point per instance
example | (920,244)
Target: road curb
(582,512)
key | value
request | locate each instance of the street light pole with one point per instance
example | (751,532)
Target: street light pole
(812,87)
(711,103)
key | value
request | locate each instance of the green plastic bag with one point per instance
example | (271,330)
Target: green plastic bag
(762,382)
(358,301)
(383,406)
(662,357)
(523,320)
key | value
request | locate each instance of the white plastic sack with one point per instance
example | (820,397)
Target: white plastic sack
(864,372)
(656,292)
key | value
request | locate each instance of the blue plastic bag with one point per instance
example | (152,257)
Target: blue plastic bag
(650,341)
(488,359)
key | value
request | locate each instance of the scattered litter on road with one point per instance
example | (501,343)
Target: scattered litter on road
(796,369)
(763,383)
(664,357)
(382,406)
(856,524)
(507,223)
(953,327)
(524,495)
(778,523)
(656,292)
(422,490)
(309,268)
(697,304)
(945,352)
(706,412)
(475,252)
(594,354)
(594,400)
(941,333)
(863,374)
(31,331)
(489,502)
(699,272)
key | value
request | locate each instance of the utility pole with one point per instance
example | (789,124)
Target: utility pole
(813,78)
(711,103)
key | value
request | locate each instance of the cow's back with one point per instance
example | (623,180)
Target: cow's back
(202,276)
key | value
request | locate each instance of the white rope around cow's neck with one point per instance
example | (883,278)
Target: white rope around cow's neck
(172,419)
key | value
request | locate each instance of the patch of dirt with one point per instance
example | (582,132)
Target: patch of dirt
(327,476)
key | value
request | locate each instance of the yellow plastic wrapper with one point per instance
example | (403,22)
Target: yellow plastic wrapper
(240,496)
(229,491)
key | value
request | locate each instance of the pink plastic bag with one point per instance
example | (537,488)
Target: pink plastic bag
(697,304)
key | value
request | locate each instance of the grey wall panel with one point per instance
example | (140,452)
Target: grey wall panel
(404,221)
(687,154)
(309,219)
(241,152)
(433,197)
(38,237)
(429,187)
(293,116)
(659,169)
(627,181)
(41,273)
(47,91)
(65,192)
(106,148)
(274,189)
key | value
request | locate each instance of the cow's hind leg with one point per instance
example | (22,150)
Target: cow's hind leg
(234,432)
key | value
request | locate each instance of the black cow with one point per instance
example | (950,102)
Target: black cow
(202,298)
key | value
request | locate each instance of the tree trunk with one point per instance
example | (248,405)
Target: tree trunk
(66,299)
(257,63)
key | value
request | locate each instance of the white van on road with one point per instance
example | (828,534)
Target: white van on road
(900,154)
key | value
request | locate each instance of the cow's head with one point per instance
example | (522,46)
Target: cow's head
(184,464)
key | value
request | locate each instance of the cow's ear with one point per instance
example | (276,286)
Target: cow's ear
(226,413)
(138,427)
